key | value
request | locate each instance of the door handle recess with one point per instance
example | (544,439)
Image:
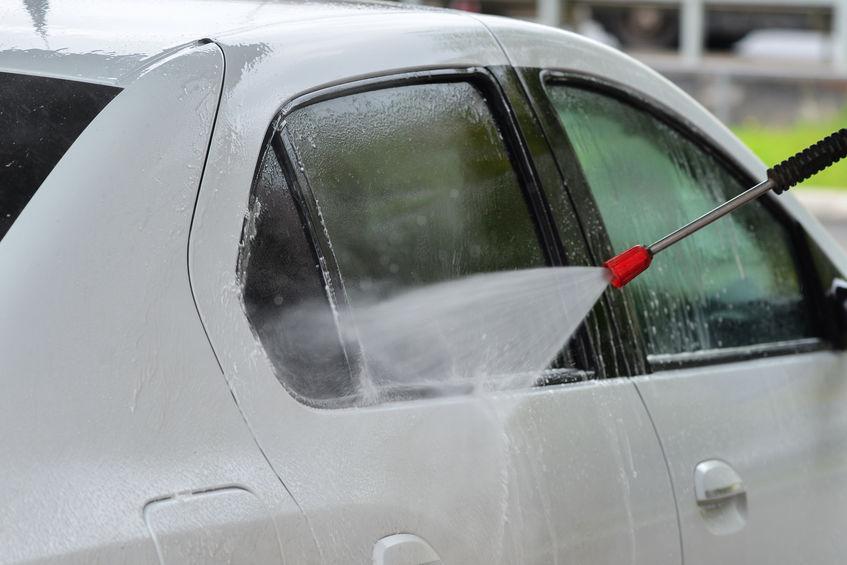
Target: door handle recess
(404,549)
(716,482)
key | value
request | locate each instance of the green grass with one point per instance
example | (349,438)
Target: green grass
(773,144)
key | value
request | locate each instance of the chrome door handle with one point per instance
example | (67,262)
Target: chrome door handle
(716,482)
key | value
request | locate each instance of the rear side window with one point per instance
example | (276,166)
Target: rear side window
(40,118)
(736,283)
(413,185)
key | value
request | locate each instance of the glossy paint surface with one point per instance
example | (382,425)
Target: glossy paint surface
(780,424)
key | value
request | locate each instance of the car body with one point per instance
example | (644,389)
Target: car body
(145,416)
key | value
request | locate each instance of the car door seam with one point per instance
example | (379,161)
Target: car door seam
(667,468)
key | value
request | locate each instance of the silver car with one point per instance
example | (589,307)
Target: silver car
(196,195)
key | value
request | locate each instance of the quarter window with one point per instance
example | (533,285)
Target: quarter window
(733,284)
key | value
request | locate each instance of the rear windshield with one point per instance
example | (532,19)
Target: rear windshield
(40,118)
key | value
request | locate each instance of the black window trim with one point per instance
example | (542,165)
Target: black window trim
(810,282)
(705,357)
(607,358)
(276,141)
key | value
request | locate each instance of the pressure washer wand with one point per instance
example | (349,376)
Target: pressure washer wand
(632,262)
(709,217)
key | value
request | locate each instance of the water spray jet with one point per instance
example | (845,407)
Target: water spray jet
(627,265)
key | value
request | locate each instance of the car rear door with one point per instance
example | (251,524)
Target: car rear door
(362,189)
(741,375)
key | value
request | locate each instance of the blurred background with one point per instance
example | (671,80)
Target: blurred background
(775,71)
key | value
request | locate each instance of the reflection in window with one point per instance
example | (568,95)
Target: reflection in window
(415,186)
(734,283)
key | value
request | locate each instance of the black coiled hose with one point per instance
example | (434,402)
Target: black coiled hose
(809,161)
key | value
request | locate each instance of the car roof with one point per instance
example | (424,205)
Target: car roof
(113,42)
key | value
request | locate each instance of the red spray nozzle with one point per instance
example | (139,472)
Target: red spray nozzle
(628,265)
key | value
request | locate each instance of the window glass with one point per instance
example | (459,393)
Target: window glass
(412,186)
(284,292)
(415,186)
(733,284)
(40,118)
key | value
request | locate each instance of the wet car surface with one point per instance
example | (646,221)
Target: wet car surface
(210,199)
